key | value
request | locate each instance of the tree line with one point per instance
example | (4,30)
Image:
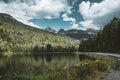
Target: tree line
(107,40)
(50,48)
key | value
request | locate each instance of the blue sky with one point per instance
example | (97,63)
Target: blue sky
(58,23)
(66,14)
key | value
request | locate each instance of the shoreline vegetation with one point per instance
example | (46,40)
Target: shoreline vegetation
(87,69)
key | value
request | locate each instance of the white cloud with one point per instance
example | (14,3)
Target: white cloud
(74,26)
(96,15)
(66,17)
(66,13)
(33,9)
(73,3)
(30,23)
(88,24)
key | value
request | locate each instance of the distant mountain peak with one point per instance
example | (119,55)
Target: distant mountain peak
(61,31)
(79,34)
(50,29)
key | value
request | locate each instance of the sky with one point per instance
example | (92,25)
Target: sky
(66,14)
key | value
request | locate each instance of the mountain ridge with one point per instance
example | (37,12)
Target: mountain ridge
(75,33)
(19,37)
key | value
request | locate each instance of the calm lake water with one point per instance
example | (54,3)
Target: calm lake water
(52,60)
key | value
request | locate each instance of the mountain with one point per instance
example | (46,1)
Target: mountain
(107,40)
(74,33)
(61,31)
(50,29)
(79,34)
(16,36)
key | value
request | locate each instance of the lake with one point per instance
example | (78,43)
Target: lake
(49,66)
(51,60)
(45,60)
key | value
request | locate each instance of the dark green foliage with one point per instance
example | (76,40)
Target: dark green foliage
(107,40)
(16,36)
(50,48)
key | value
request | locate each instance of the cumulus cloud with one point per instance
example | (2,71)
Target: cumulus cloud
(74,26)
(66,17)
(88,24)
(96,15)
(73,3)
(24,10)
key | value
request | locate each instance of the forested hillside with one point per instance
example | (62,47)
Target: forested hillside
(107,40)
(16,36)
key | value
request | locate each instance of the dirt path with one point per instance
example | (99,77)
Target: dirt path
(113,75)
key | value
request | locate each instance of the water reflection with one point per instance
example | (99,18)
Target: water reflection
(54,59)
(51,60)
